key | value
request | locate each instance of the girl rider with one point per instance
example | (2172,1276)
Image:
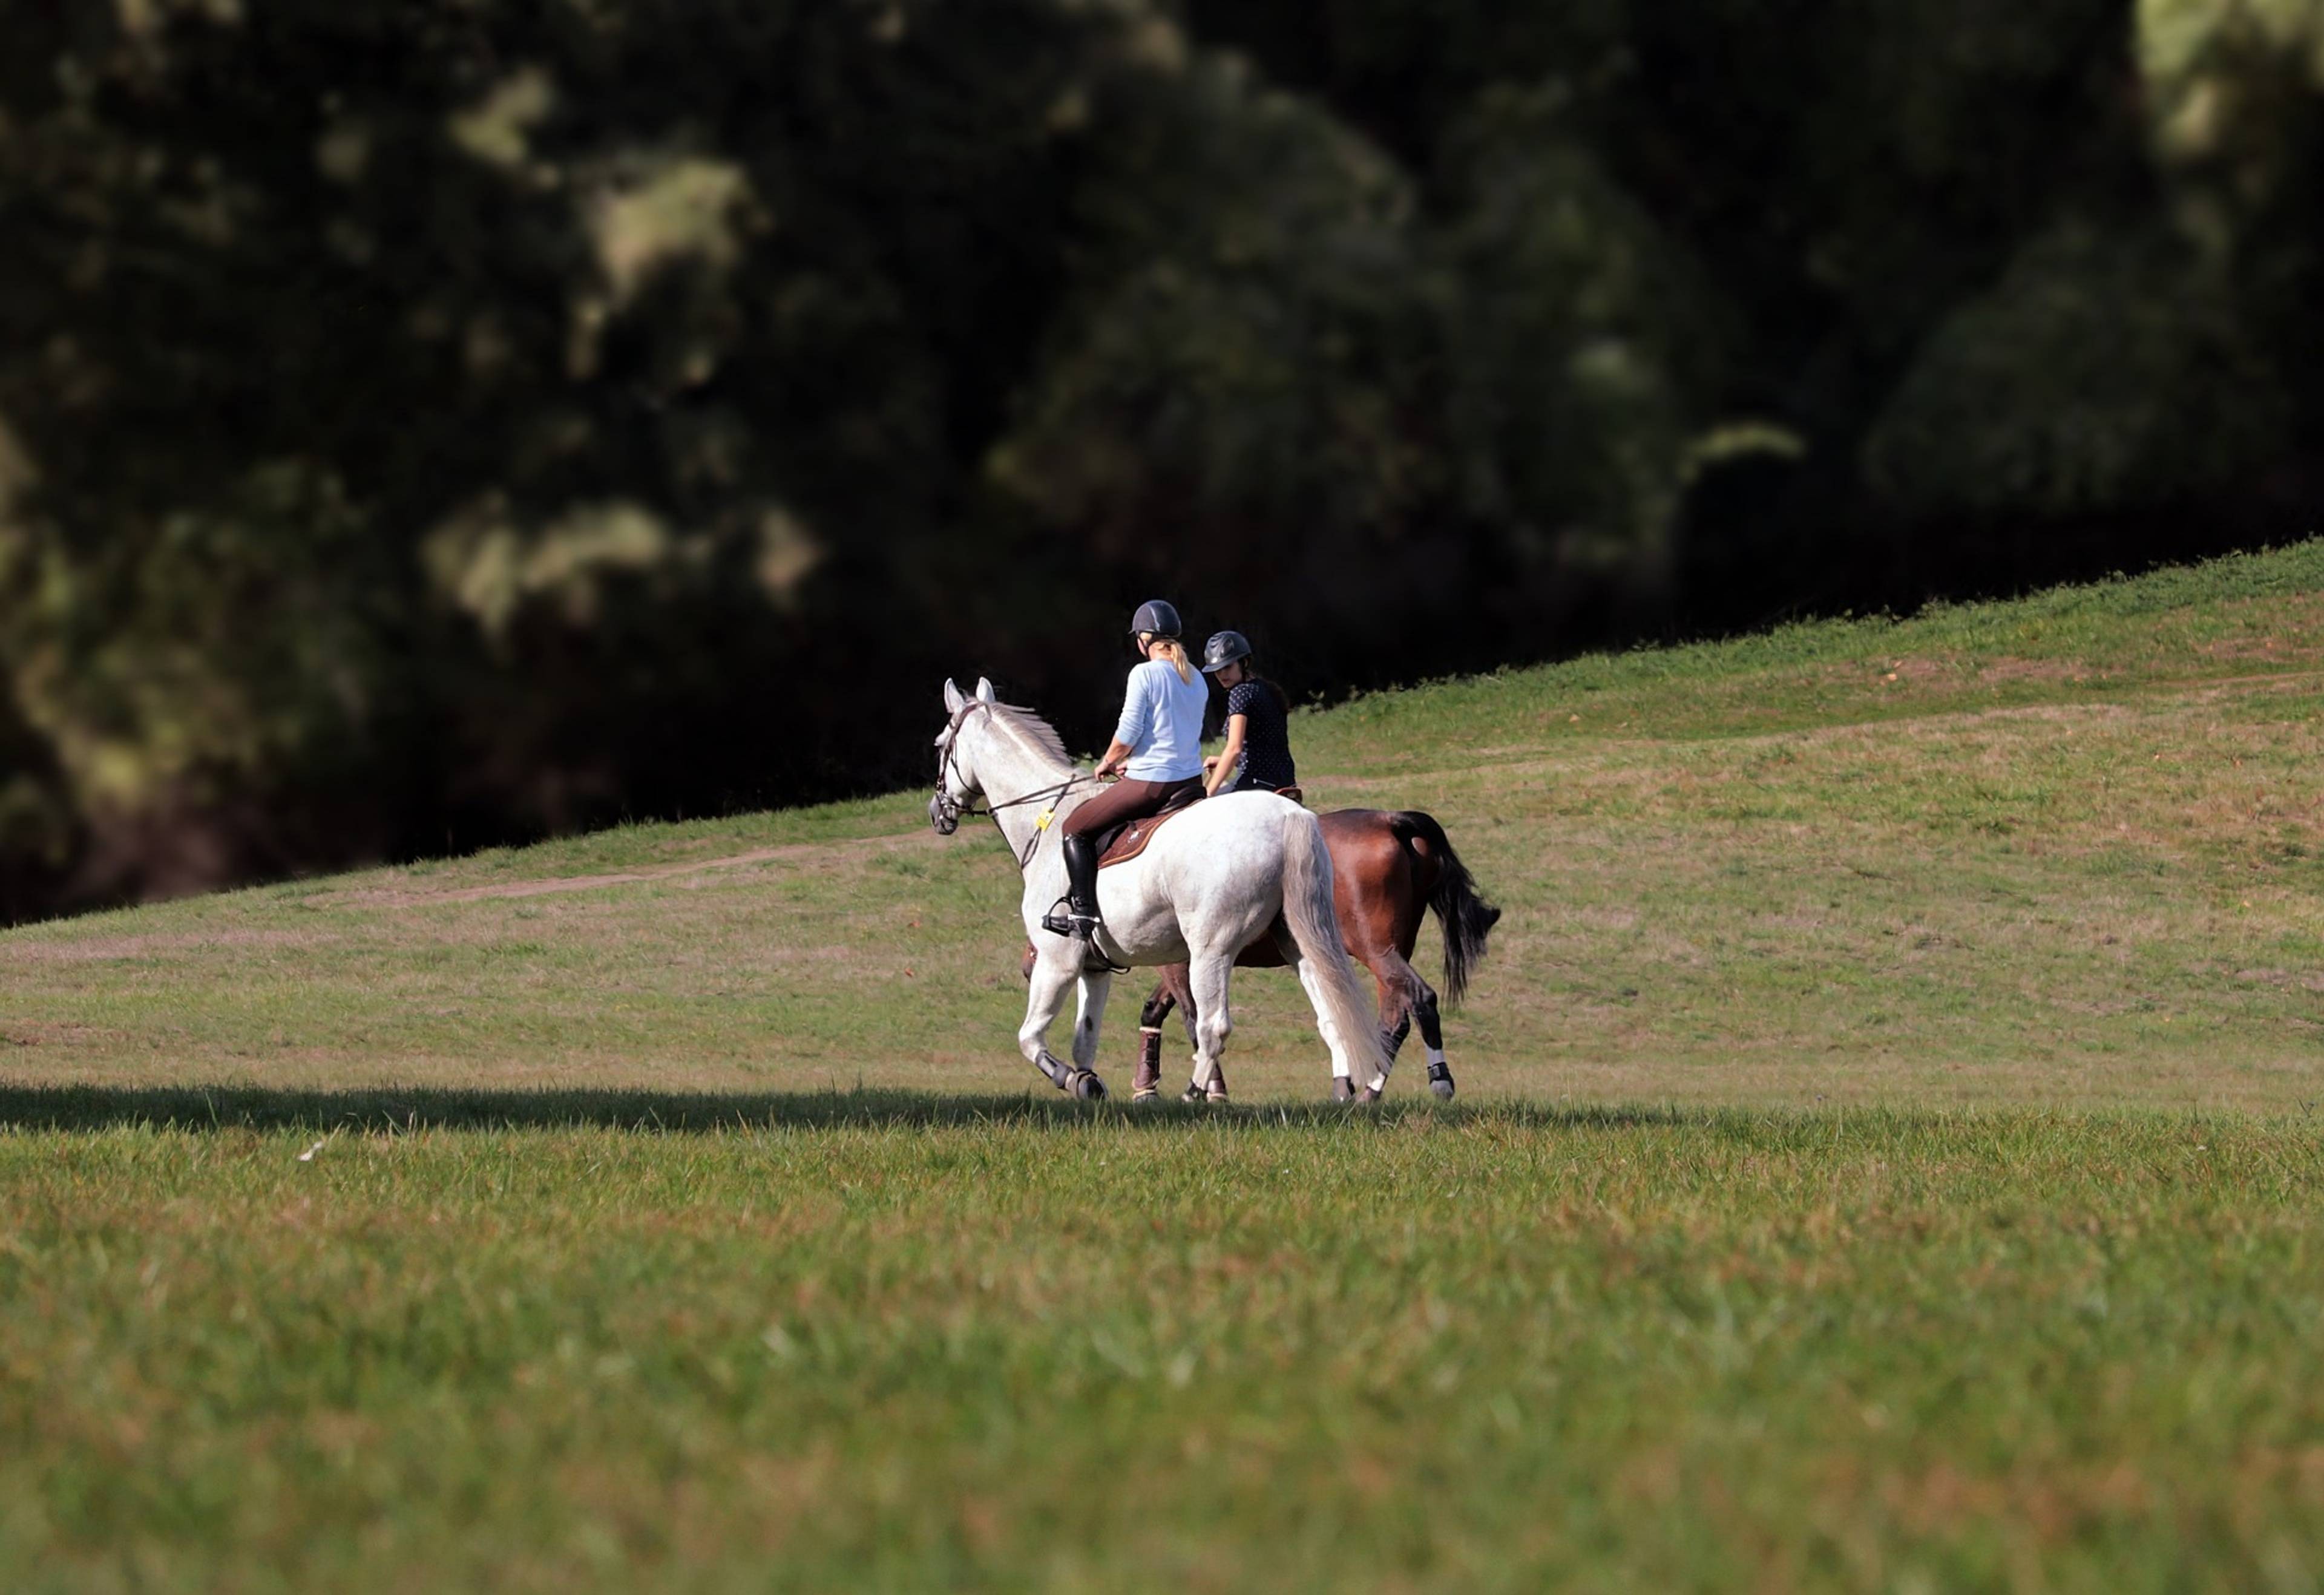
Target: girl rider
(1158,747)
(1258,754)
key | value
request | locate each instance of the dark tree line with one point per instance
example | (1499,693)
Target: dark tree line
(425,422)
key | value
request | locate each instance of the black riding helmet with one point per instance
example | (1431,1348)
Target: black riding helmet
(1156,615)
(1224,648)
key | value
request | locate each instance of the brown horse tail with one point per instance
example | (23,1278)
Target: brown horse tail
(1466,918)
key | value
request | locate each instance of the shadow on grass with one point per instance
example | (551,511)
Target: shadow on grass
(240,1107)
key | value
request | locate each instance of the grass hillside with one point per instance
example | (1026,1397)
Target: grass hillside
(487,1223)
(2059,851)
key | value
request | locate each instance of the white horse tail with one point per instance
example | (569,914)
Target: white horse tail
(1314,924)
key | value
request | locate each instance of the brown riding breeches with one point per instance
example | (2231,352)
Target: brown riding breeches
(1123,802)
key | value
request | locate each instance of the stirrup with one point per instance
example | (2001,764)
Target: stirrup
(1062,920)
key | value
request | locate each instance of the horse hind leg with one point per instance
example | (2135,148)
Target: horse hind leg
(1196,1091)
(1432,1035)
(1191,1012)
(1400,990)
(1212,1024)
(1400,987)
(1173,993)
(1344,1086)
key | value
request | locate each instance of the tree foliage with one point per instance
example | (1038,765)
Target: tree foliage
(433,422)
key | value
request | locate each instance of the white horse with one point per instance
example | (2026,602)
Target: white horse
(1213,881)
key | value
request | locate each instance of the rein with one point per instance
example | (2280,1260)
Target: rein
(1047,796)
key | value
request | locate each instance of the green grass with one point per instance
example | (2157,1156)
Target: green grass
(1886,1161)
(877,1342)
(2062,852)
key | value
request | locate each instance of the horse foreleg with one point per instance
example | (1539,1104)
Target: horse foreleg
(1042,1003)
(1090,1015)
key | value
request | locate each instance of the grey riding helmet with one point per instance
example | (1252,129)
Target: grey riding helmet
(1222,649)
(1157,616)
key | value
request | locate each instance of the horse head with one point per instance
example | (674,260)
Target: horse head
(957,786)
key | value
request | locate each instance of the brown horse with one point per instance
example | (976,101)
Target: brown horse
(1388,868)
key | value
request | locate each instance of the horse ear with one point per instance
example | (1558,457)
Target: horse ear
(953,698)
(985,689)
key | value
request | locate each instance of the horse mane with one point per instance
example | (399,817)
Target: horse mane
(1035,734)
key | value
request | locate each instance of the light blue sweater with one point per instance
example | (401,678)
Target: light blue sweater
(1162,723)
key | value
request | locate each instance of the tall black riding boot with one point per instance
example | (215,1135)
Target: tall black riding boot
(1081,892)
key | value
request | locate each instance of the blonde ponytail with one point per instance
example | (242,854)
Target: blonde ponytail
(1175,652)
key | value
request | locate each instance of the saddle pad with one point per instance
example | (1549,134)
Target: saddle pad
(1131,839)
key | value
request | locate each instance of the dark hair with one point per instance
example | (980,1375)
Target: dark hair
(1282,698)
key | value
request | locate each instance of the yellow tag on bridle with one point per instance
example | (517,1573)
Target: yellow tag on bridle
(1042,823)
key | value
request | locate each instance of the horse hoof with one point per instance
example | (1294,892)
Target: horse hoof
(1441,1084)
(1193,1094)
(1344,1090)
(1146,1094)
(1216,1097)
(1088,1086)
(1368,1095)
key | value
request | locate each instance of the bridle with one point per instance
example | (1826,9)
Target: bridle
(945,811)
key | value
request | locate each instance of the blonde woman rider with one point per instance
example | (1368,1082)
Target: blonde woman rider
(1157,749)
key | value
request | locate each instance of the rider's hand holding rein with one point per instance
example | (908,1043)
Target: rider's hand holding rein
(1222,770)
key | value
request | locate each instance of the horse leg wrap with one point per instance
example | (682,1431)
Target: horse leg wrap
(1432,1035)
(1147,1082)
(1432,1029)
(1072,1079)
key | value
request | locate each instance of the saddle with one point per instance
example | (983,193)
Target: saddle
(1125,842)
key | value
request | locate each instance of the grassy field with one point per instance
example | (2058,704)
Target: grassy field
(2063,851)
(884,1344)
(1886,1162)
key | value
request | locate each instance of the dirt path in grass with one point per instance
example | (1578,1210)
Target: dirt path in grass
(414,896)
